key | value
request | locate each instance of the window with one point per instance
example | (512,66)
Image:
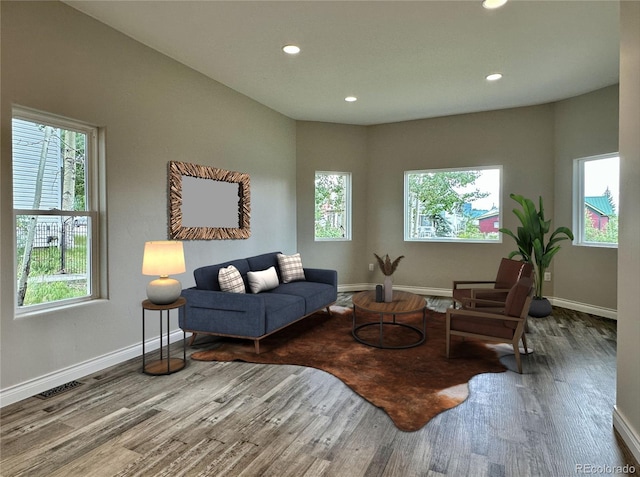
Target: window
(453,205)
(333,206)
(55,210)
(596,200)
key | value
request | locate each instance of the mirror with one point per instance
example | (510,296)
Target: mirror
(206,203)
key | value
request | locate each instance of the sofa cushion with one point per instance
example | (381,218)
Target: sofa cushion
(316,295)
(281,309)
(290,267)
(263,280)
(230,280)
(207,277)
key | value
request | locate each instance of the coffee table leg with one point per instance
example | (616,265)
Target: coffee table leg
(353,326)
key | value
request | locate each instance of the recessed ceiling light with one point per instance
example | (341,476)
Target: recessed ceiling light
(350,99)
(291,49)
(493,4)
(494,77)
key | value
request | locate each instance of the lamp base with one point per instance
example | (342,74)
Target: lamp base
(164,290)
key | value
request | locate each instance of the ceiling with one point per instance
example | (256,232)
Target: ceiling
(402,60)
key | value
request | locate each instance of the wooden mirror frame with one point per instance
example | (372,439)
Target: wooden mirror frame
(176,230)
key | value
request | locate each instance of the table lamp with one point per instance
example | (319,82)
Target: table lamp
(162,258)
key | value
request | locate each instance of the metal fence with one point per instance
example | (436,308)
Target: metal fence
(58,247)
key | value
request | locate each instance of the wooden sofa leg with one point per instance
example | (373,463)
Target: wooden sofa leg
(329,310)
(192,339)
(257,346)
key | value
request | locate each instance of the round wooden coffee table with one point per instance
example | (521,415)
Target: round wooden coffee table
(403,303)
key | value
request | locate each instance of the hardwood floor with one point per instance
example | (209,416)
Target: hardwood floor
(238,419)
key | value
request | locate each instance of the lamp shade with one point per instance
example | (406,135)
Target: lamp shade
(162,258)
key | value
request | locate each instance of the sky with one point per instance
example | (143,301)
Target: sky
(600,174)
(488,181)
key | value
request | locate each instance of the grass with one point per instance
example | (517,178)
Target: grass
(46,262)
(46,292)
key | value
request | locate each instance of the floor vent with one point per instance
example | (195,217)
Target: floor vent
(58,390)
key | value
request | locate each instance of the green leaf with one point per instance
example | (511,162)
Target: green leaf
(530,237)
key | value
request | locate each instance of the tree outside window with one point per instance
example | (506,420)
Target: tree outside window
(333,206)
(453,205)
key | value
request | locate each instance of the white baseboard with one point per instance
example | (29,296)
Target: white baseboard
(35,386)
(630,438)
(585,308)
(561,302)
(356,287)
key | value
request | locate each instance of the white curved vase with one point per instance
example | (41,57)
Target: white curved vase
(388,289)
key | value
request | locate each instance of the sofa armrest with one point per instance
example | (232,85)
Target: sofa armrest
(219,300)
(321,275)
(223,312)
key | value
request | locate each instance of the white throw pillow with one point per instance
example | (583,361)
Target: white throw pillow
(291,267)
(263,280)
(230,280)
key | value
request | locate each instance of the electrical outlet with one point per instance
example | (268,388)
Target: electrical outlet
(371,267)
(547,276)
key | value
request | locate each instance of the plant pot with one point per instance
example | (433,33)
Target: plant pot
(540,307)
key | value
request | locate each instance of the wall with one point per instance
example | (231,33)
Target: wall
(152,110)
(627,410)
(585,126)
(536,147)
(521,140)
(339,148)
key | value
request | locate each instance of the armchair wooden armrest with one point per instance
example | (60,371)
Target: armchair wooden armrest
(488,291)
(471,282)
(482,314)
(489,306)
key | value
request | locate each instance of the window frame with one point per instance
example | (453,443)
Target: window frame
(578,212)
(406,222)
(348,209)
(94,190)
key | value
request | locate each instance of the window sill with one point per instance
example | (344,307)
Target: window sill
(63,307)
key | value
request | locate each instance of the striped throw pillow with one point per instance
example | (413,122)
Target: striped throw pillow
(230,280)
(290,267)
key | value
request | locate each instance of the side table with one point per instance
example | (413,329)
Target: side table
(166,364)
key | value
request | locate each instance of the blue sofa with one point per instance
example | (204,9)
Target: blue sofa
(254,316)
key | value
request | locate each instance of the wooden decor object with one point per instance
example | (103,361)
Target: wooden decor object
(178,231)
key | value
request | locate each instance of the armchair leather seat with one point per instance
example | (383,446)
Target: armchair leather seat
(503,325)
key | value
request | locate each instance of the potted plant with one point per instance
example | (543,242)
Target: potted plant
(530,239)
(388,267)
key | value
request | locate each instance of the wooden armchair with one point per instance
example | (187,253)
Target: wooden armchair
(471,293)
(505,326)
